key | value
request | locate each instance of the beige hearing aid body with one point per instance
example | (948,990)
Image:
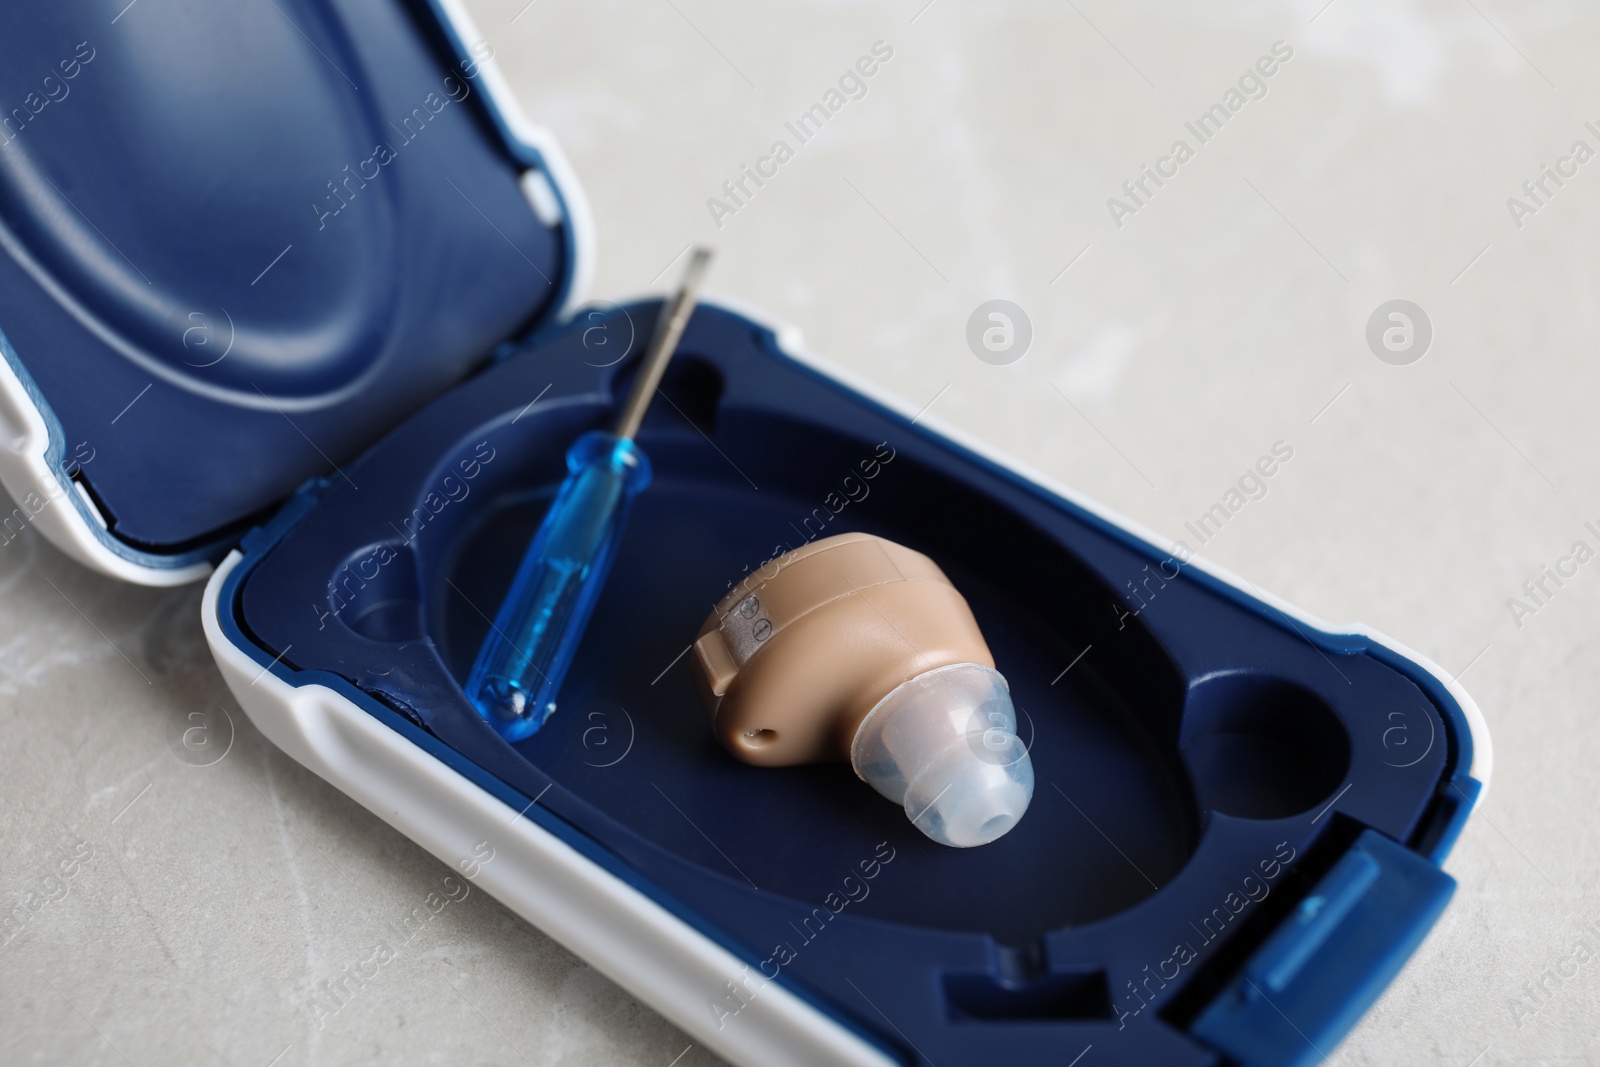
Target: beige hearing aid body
(792,660)
(857,648)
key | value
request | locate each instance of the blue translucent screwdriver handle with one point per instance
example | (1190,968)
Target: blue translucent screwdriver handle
(541,621)
(536,632)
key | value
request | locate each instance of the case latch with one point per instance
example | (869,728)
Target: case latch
(1302,990)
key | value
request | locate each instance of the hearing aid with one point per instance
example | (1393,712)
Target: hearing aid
(857,648)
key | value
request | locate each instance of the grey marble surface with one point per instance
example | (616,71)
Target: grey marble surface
(205,905)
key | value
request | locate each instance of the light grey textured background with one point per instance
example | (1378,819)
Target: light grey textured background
(1227,314)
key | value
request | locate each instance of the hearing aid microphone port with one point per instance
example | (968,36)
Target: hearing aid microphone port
(759,738)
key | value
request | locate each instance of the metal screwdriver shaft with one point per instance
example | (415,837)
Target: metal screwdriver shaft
(663,344)
(536,632)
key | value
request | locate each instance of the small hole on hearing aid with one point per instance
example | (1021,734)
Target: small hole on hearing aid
(759,738)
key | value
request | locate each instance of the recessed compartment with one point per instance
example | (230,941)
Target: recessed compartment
(1261,747)
(982,997)
(374,592)
(695,532)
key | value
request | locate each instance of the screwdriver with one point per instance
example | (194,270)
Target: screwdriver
(535,635)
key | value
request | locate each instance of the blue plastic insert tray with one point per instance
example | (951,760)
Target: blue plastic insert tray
(1206,768)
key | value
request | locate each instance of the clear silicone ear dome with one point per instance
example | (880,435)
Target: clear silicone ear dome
(945,745)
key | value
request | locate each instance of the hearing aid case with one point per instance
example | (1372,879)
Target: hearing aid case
(1240,812)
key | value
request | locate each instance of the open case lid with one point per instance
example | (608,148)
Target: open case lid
(242,241)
